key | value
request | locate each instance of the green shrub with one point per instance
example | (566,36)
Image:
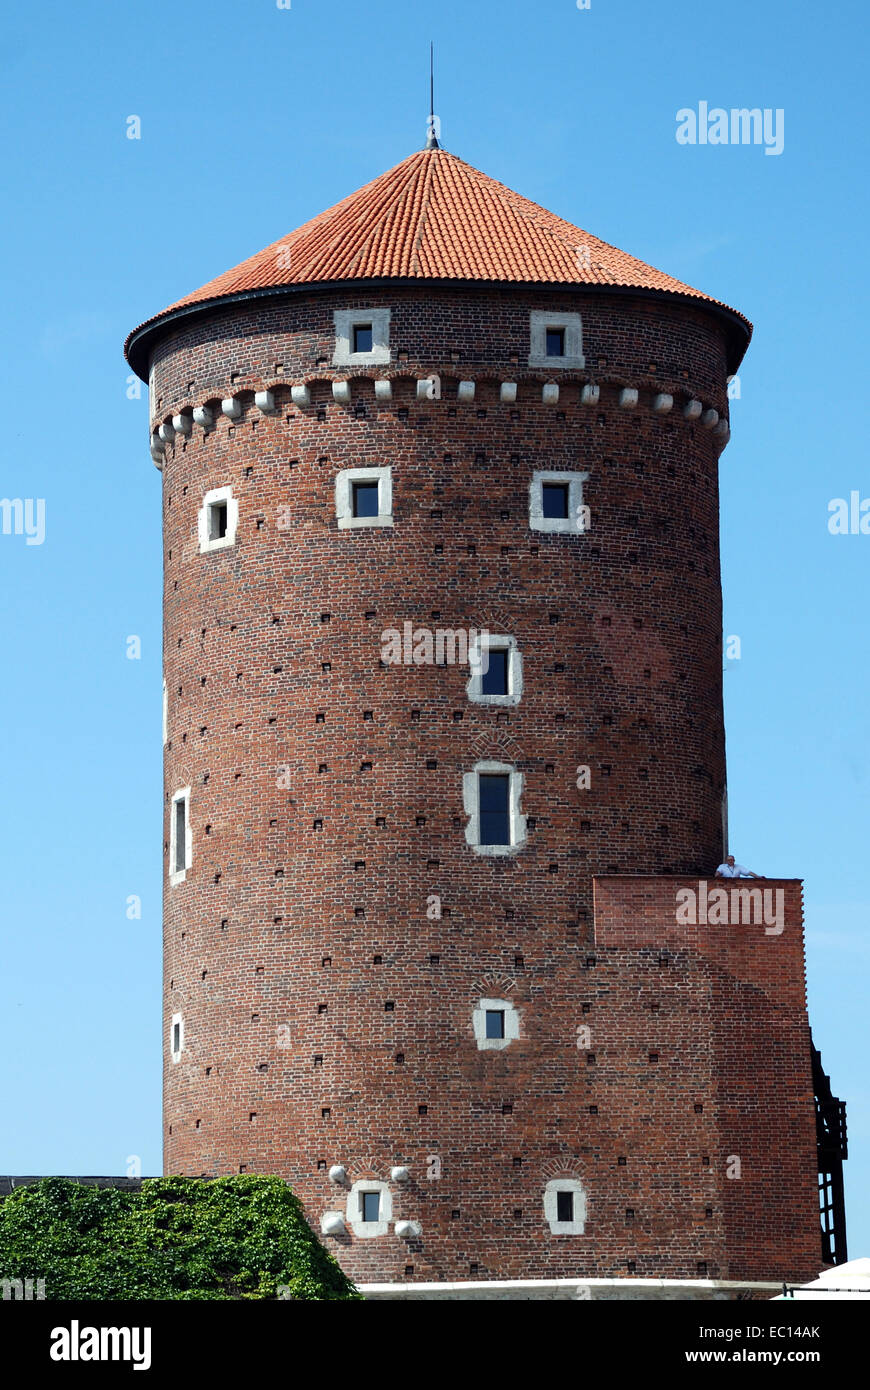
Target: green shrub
(174,1238)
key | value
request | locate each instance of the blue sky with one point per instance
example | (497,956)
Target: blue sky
(253,119)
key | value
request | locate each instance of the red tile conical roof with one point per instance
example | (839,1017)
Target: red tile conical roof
(434,217)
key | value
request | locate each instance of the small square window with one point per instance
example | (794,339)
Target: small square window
(494,680)
(554,499)
(555,339)
(494,809)
(365,499)
(495,1023)
(362,337)
(564,1206)
(371,1206)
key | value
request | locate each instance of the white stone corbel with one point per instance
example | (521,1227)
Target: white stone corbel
(590,394)
(710,418)
(203,417)
(158,450)
(400,1174)
(508,392)
(332,1223)
(408,1230)
(384,389)
(166,432)
(300,395)
(663,403)
(232,408)
(265,402)
(466,390)
(722,429)
(628,398)
(550,393)
(338,1174)
(692,410)
(183,423)
(341,392)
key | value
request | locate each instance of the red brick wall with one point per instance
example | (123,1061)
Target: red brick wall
(620,632)
(744,983)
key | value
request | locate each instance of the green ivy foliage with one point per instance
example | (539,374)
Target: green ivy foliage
(174,1238)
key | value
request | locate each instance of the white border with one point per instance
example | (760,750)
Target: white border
(179,875)
(471,803)
(206,543)
(367,1229)
(345,322)
(570,324)
(565,1228)
(179,1020)
(495,642)
(511,1024)
(571,525)
(344,497)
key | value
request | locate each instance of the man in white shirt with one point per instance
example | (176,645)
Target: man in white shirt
(731,870)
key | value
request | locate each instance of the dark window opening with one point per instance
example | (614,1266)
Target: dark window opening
(494,809)
(495,678)
(217,520)
(362,337)
(564,1206)
(371,1206)
(180,835)
(176,1038)
(554,499)
(365,499)
(495,1023)
(555,342)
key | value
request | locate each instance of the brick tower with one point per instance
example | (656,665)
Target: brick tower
(423,955)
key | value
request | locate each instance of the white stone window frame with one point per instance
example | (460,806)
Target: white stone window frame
(344,484)
(511,1024)
(495,642)
(571,525)
(346,320)
(207,543)
(570,324)
(177,876)
(177,1021)
(369,1229)
(471,803)
(577,1226)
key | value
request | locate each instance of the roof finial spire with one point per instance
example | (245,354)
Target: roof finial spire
(434,123)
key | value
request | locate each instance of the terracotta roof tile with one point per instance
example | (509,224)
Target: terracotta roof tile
(435,217)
